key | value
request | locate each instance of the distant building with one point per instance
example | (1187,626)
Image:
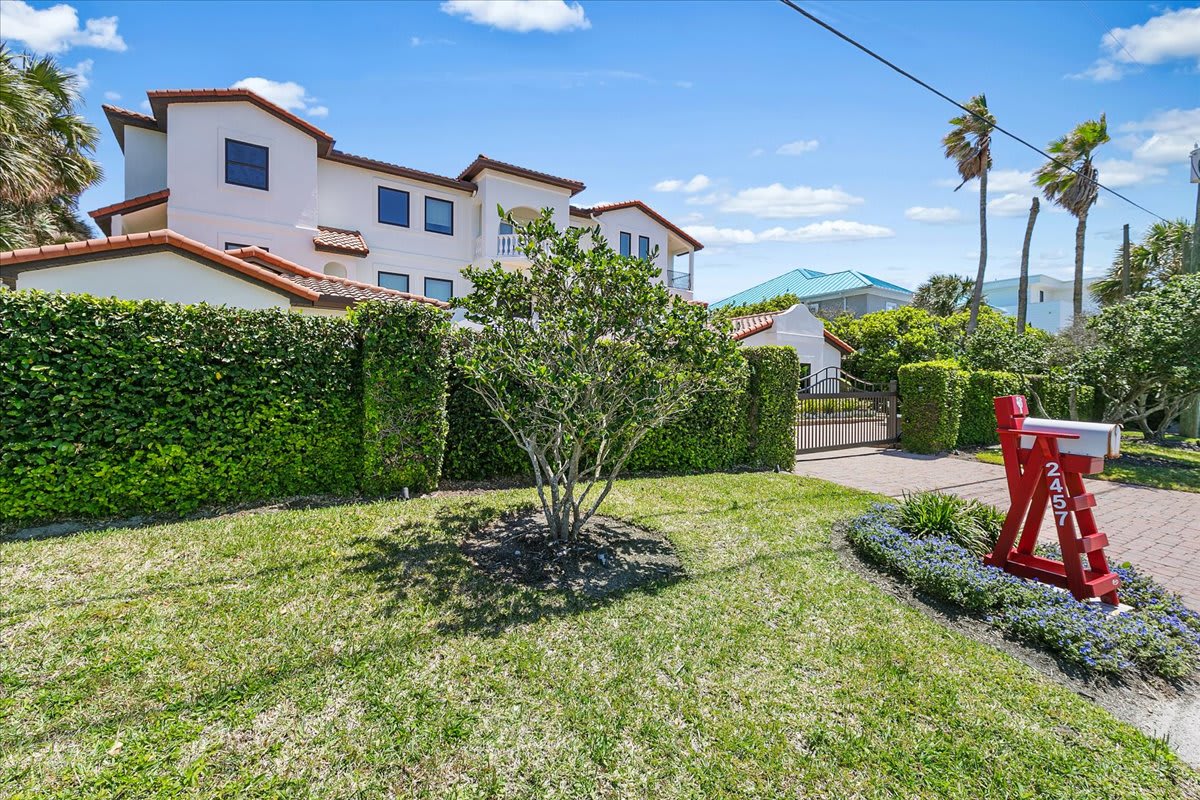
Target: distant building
(829,293)
(1051,306)
(798,329)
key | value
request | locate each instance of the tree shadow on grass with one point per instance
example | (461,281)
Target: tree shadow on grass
(422,563)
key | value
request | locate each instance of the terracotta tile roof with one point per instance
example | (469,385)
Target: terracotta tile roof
(340,240)
(118,118)
(395,169)
(744,327)
(93,248)
(161,98)
(333,290)
(595,211)
(103,216)
(747,326)
(483,162)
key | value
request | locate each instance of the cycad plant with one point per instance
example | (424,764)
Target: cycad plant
(969,146)
(45,152)
(1070,181)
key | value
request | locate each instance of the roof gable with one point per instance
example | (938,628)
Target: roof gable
(806,284)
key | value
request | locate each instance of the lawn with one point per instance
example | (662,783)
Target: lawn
(1163,467)
(353,652)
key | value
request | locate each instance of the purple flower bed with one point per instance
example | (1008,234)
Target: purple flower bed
(1160,635)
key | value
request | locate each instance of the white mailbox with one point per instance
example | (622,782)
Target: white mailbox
(1096,439)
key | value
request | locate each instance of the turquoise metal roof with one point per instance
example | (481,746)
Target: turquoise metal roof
(808,283)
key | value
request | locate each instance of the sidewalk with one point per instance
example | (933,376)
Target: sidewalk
(1155,529)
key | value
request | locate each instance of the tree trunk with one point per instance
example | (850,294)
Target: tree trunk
(977,293)
(1023,286)
(1077,297)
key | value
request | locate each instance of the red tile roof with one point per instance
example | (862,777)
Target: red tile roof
(103,216)
(483,162)
(330,287)
(595,211)
(118,118)
(747,326)
(399,171)
(161,98)
(340,240)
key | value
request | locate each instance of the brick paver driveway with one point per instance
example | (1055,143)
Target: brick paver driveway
(1155,529)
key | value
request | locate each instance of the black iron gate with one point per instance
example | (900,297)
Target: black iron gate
(835,409)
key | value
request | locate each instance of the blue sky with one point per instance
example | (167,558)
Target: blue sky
(777,144)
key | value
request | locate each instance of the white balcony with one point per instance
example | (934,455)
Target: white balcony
(508,246)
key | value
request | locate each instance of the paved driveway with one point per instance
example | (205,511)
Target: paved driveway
(1155,529)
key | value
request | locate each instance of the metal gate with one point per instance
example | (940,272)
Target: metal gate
(835,409)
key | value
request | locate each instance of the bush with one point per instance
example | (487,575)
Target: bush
(771,406)
(405,361)
(477,446)
(1159,636)
(708,437)
(978,425)
(115,407)
(884,341)
(931,405)
(970,524)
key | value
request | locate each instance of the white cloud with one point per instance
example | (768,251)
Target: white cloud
(285,94)
(834,230)
(780,202)
(1011,205)
(756,152)
(696,184)
(710,199)
(1171,36)
(56,29)
(999,180)
(145,106)
(1166,137)
(521,16)
(934,216)
(83,73)
(1117,172)
(417,41)
(798,147)
(112,96)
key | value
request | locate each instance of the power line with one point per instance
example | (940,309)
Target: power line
(790,4)
(1112,35)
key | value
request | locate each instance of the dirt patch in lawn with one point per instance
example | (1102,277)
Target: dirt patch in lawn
(1153,705)
(610,557)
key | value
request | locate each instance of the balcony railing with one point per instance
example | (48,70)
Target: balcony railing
(508,245)
(679,280)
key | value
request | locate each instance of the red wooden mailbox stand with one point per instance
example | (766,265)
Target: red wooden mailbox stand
(1039,476)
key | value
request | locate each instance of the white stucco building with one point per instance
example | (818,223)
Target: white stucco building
(226,170)
(1051,306)
(797,328)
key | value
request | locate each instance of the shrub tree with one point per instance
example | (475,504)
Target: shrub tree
(580,356)
(931,407)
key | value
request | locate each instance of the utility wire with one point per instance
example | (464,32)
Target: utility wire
(790,4)
(1112,35)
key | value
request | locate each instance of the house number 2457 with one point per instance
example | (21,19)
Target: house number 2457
(1058,493)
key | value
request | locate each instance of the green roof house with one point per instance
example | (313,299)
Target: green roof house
(828,292)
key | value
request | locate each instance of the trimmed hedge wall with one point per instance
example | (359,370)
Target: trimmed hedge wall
(771,406)
(404,369)
(931,408)
(951,407)
(116,407)
(477,445)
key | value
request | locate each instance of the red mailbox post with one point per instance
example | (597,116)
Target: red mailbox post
(1040,475)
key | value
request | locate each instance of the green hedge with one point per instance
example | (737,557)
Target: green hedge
(115,407)
(405,360)
(931,408)
(708,437)
(978,425)
(477,446)
(771,406)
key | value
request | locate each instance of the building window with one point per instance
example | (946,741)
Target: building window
(626,243)
(439,216)
(890,306)
(246,164)
(643,247)
(393,280)
(439,289)
(506,229)
(393,207)
(239,246)
(1041,296)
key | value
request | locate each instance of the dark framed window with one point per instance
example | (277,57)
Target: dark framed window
(237,246)
(393,280)
(439,216)
(1041,296)
(393,207)
(439,289)
(643,247)
(626,243)
(246,164)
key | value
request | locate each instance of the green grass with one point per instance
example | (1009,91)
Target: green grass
(353,652)
(1181,471)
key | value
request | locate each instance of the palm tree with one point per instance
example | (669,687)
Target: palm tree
(969,146)
(1158,257)
(1023,283)
(1070,181)
(944,295)
(45,152)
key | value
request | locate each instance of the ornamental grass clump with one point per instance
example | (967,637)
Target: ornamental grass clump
(968,523)
(1158,636)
